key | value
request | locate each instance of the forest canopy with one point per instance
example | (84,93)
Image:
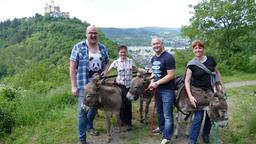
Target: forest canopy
(229,29)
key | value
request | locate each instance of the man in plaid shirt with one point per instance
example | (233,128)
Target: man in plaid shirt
(87,57)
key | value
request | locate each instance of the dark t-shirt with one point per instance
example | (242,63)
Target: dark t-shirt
(160,65)
(201,78)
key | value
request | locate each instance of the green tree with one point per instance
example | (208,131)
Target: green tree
(228,27)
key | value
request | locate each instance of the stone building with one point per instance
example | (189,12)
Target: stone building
(54,11)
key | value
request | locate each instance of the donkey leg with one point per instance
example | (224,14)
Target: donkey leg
(178,119)
(203,121)
(141,110)
(108,124)
(146,111)
(119,122)
(188,124)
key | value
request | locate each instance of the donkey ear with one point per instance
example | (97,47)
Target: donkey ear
(218,90)
(216,87)
(95,78)
(139,74)
(148,77)
(221,88)
(141,71)
(98,83)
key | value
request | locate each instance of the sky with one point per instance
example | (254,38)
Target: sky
(108,13)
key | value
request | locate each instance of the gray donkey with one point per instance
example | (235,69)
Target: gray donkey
(107,96)
(139,89)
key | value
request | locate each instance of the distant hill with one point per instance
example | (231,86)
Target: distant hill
(142,36)
(38,49)
(34,55)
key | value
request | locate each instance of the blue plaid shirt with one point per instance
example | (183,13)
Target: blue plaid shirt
(80,54)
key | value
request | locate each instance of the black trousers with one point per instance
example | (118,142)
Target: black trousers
(126,109)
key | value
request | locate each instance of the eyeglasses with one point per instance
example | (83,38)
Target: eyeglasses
(93,33)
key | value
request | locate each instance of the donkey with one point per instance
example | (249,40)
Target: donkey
(107,96)
(216,108)
(139,89)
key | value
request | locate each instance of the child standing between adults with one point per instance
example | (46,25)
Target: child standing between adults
(125,67)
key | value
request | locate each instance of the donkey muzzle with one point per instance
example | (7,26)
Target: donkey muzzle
(85,107)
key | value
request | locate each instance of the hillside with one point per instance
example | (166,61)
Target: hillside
(40,39)
(36,106)
(35,101)
(34,67)
(142,36)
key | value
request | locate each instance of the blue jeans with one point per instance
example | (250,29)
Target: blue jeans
(85,119)
(196,126)
(164,107)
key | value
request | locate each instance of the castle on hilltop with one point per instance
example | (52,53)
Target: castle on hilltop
(54,11)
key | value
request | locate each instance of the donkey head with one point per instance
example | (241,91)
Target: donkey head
(218,106)
(138,84)
(91,96)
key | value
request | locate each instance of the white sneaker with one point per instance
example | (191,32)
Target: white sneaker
(165,141)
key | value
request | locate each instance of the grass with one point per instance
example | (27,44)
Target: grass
(52,118)
(239,77)
(59,126)
(242,117)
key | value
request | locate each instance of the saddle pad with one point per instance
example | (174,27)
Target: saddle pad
(201,96)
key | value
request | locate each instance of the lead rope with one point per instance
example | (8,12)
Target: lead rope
(216,133)
(153,113)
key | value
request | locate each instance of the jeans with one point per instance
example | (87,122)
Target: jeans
(196,126)
(85,119)
(164,107)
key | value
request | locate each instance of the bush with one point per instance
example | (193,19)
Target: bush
(8,103)
(251,66)
(7,120)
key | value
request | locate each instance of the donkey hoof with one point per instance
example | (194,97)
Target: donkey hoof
(176,136)
(141,121)
(144,121)
(109,139)
(187,134)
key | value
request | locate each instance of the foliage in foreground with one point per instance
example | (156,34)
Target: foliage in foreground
(57,123)
(9,100)
(242,117)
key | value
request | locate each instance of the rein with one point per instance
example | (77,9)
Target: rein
(153,113)
(216,135)
(144,93)
(113,76)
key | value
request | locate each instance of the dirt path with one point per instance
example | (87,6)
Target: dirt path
(138,134)
(239,84)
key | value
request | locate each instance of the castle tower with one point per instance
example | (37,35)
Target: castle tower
(52,10)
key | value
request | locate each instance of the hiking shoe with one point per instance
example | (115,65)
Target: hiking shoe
(165,141)
(156,131)
(206,138)
(129,127)
(93,132)
(83,142)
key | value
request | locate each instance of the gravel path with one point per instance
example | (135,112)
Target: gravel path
(239,84)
